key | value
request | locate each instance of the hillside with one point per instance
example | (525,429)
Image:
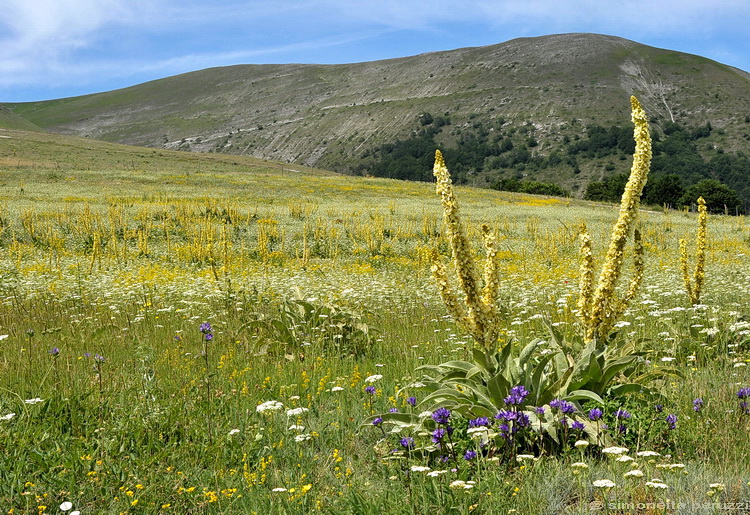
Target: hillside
(10,120)
(339,116)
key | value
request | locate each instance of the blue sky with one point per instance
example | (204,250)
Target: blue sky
(60,48)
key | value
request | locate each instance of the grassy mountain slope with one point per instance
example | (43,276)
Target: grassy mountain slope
(36,159)
(331,116)
(10,120)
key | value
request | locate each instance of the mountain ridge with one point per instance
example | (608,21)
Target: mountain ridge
(338,116)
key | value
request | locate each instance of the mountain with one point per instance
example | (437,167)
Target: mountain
(340,117)
(10,120)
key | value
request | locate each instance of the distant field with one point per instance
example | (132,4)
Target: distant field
(315,284)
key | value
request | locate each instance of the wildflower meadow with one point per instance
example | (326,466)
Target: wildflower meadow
(200,334)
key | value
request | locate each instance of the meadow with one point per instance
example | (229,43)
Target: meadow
(211,334)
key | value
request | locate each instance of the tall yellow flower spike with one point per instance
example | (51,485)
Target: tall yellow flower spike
(599,309)
(695,285)
(477,314)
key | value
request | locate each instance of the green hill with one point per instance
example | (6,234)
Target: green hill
(542,93)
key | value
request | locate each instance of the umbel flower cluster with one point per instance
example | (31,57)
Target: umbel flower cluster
(598,308)
(694,285)
(477,311)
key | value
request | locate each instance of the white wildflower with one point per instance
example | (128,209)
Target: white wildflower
(373,378)
(269,406)
(295,412)
(603,483)
(614,451)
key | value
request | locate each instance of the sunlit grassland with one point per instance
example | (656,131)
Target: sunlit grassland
(123,253)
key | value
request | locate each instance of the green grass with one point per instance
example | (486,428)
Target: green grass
(139,433)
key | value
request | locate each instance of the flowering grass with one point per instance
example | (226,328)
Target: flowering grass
(114,399)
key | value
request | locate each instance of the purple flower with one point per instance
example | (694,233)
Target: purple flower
(506,415)
(393,410)
(659,408)
(595,414)
(622,414)
(744,393)
(54,352)
(564,422)
(470,455)
(523,420)
(377,421)
(745,407)
(370,389)
(578,425)
(517,395)
(539,410)
(407,442)
(412,401)
(622,428)
(441,415)
(205,328)
(98,358)
(672,421)
(479,422)
(697,404)
(208,337)
(438,435)
(564,406)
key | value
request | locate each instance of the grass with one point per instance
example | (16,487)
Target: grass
(124,253)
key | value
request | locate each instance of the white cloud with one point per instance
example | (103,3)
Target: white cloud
(78,42)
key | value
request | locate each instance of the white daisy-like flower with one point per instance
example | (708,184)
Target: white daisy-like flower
(579,465)
(717,486)
(269,406)
(581,444)
(436,473)
(373,378)
(67,505)
(668,359)
(624,459)
(462,485)
(656,483)
(615,451)
(647,454)
(8,416)
(295,412)
(526,457)
(419,468)
(302,438)
(279,489)
(233,432)
(603,483)
(295,427)
(337,389)
(633,473)
(37,400)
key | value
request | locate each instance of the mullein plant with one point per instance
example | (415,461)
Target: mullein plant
(477,311)
(598,308)
(695,284)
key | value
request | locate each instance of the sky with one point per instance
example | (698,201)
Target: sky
(61,48)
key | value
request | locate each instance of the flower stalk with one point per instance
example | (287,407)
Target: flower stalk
(477,311)
(694,285)
(598,307)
